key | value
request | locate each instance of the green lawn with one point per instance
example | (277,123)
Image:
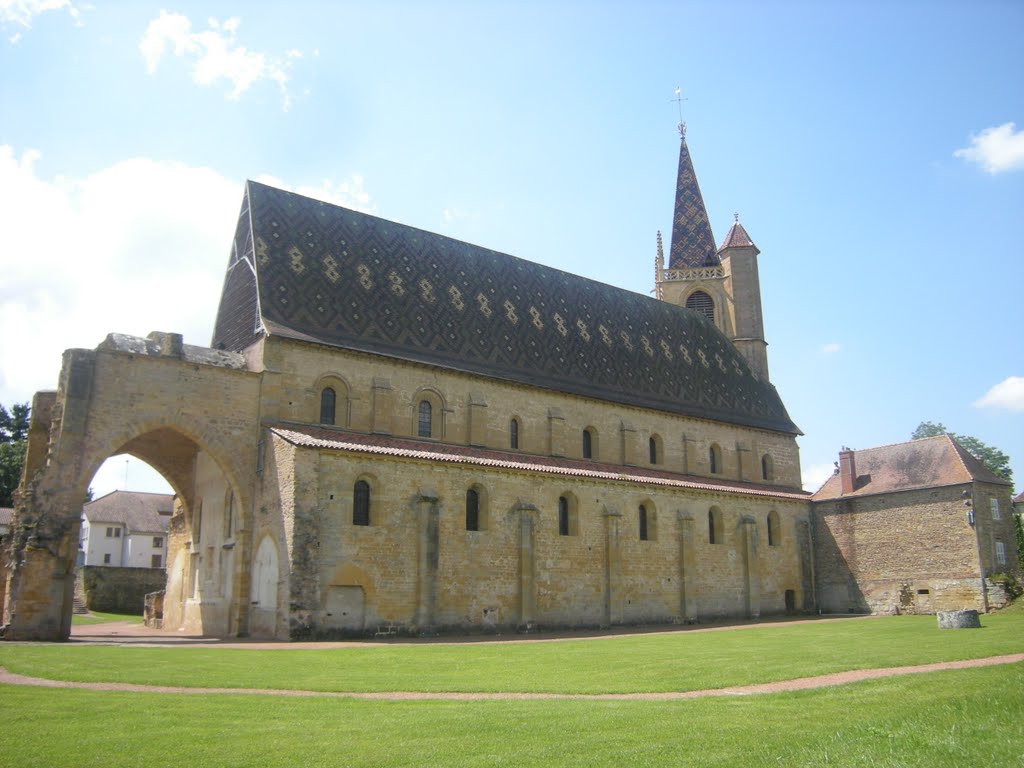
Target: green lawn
(96,617)
(664,662)
(958,718)
(953,718)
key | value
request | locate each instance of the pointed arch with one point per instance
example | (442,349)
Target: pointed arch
(701,302)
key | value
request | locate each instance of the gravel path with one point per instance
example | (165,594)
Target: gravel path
(799,684)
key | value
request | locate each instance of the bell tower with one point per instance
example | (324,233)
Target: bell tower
(722,284)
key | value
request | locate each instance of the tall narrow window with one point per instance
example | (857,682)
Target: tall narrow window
(513,434)
(588,444)
(767,471)
(1000,553)
(652,450)
(563,516)
(773,529)
(993,505)
(715,459)
(472,510)
(361,503)
(699,301)
(425,419)
(328,398)
(643,522)
(715,526)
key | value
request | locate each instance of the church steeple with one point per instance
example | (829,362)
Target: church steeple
(693,245)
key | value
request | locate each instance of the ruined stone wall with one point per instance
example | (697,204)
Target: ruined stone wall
(909,552)
(119,590)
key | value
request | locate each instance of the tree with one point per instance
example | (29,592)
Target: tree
(990,456)
(13,438)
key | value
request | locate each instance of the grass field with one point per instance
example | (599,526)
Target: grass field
(951,718)
(96,617)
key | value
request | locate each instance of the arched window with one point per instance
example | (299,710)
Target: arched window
(328,399)
(773,528)
(513,434)
(699,301)
(588,443)
(767,470)
(652,450)
(715,459)
(715,526)
(425,419)
(472,510)
(643,522)
(563,516)
(361,503)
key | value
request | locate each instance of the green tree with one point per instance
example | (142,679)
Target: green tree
(989,455)
(13,437)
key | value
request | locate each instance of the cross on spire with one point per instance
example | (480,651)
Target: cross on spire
(679,100)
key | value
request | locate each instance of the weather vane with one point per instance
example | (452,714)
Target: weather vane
(679,100)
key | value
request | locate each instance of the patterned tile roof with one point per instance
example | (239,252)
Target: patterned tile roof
(313,271)
(737,238)
(6,515)
(343,440)
(138,512)
(693,245)
(926,463)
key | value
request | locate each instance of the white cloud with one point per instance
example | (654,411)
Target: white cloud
(1007,394)
(996,149)
(348,193)
(22,12)
(815,475)
(214,54)
(831,348)
(136,247)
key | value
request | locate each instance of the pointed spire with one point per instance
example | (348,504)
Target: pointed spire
(693,245)
(737,236)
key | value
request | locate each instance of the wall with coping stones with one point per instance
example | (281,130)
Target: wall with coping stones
(119,590)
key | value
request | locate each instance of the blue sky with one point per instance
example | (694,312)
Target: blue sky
(874,152)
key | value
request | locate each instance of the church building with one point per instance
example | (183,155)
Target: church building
(393,431)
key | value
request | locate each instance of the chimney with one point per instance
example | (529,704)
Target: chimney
(847,470)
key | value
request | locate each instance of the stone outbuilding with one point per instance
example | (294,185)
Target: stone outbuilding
(917,527)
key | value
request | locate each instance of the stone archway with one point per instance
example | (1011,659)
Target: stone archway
(189,412)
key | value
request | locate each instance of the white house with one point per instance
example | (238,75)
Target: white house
(127,529)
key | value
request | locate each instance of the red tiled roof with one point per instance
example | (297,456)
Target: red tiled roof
(343,440)
(737,238)
(926,463)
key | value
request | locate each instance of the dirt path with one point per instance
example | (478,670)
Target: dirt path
(799,684)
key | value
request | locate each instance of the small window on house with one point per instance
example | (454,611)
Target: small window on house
(117,533)
(361,503)
(328,399)
(993,504)
(563,516)
(588,443)
(767,470)
(652,450)
(1000,553)
(513,434)
(158,542)
(106,559)
(715,459)
(643,522)
(715,526)
(472,510)
(157,561)
(425,419)
(773,529)
(110,533)
(700,302)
